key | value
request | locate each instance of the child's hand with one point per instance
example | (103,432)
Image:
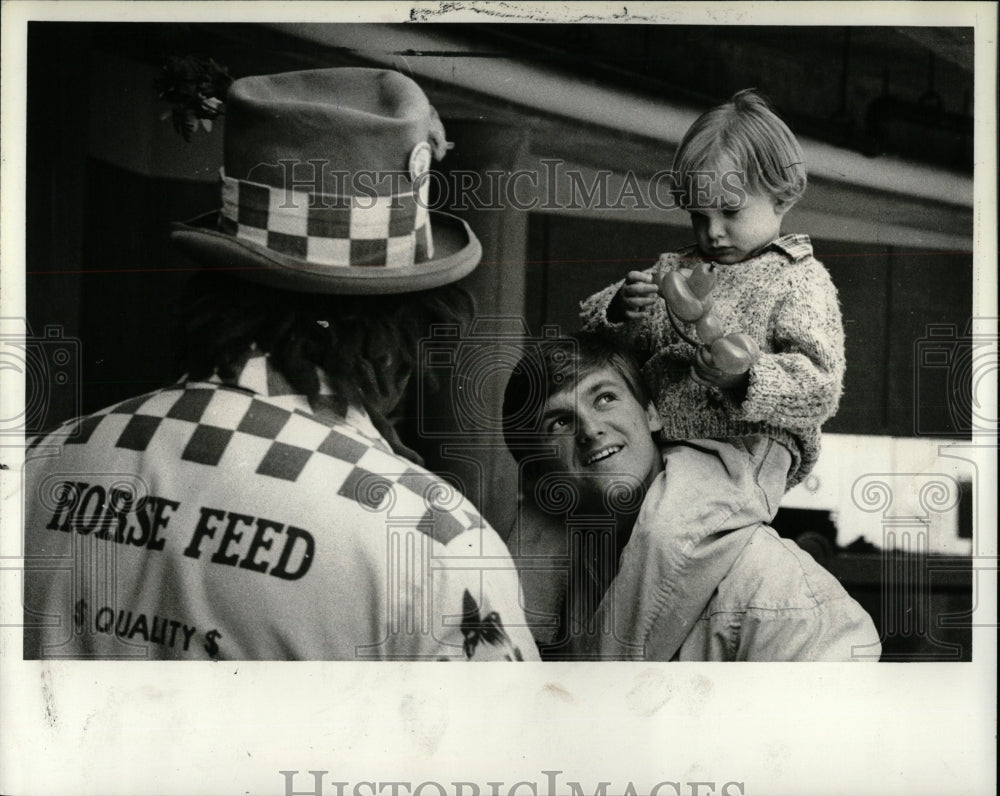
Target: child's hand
(726,362)
(638,294)
(707,375)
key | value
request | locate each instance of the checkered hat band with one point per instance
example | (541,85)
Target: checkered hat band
(325,229)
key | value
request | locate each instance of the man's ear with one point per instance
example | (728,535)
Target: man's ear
(653,418)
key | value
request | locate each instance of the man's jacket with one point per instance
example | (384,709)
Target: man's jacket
(234,520)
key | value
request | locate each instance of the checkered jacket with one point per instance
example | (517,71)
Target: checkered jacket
(234,520)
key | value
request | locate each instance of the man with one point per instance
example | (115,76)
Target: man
(263,507)
(579,420)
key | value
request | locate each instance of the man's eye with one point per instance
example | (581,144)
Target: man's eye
(557,425)
(606,398)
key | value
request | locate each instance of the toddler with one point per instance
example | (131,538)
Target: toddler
(731,443)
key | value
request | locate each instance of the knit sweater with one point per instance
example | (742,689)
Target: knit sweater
(785,300)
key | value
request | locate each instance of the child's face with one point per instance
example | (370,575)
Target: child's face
(730,234)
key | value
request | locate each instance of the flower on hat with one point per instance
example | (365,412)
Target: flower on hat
(197,87)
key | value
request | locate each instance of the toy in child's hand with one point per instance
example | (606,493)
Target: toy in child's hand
(689,298)
(701,280)
(720,360)
(732,355)
(705,373)
(709,328)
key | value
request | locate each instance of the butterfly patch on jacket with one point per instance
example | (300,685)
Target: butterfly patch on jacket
(488,629)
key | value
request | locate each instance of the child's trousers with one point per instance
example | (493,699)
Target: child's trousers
(694,522)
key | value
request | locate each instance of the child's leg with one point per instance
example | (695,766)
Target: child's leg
(694,522)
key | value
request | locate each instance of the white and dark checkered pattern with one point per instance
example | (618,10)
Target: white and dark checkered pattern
(384,231)
(281,436)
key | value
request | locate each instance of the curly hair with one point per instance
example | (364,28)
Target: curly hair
(351,339)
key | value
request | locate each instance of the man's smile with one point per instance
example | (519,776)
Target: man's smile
(603,453)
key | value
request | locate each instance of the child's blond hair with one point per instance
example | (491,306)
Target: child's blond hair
(745,134)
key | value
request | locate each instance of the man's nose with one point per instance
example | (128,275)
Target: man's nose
(588,428)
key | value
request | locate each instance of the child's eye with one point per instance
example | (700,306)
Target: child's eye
(730,212)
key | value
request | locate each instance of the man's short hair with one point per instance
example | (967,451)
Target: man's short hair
(554,366)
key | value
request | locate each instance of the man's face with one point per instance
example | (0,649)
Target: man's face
(602,432)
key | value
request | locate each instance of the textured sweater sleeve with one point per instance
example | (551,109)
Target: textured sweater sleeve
(594,310)
(637,334)
(797,385)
